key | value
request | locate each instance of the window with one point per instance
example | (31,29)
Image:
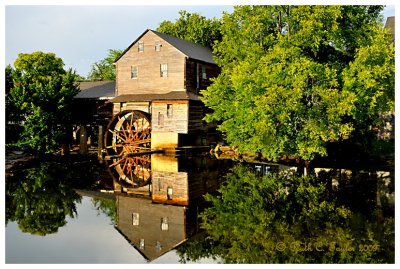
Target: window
(169,110)
(158,246)
(135,219)
(141,47)
(163,70)
(160,119)
(141,244)
(164,224)
(134,72)
(157,46)
(169,193)
(203,71)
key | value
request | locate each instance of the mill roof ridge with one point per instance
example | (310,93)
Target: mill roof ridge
(190,49)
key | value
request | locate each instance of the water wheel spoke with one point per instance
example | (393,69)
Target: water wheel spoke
(141,135)
(126,161)
(115,146)
(124,132)
(129,134)
(143,141)
(117,162)
(141,159)
(120,133)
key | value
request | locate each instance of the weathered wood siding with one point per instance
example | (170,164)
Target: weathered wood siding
(177,182)
(196,115)
(173,120)
(148,225)
(194,73)
(148,63)
(142,106)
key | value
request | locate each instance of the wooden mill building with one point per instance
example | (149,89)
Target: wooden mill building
(163,214)
(162,75)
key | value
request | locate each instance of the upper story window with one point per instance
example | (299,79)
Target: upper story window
(135,219)
(157,45)
(134,72)
(203,71)
(163,70)
(141,47)
(169,110)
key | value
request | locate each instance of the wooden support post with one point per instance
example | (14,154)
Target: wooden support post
(100,143)
(83,147)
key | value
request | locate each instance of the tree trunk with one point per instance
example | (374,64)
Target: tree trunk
(83,147)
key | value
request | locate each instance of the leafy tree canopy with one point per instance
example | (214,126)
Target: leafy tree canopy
(42,93)
(193,27)
(297,77)
(39,200)
(104,69)
(280,218)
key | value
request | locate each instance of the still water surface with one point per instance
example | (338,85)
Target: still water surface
(69,212)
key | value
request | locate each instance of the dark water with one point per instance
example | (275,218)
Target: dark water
(75,212)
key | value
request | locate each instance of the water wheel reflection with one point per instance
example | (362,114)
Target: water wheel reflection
(135,170)
(126,141)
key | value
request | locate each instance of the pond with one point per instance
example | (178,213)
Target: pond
(196,209)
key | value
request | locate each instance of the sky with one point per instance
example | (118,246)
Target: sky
(82,33)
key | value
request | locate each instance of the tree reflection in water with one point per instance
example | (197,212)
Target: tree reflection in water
(40,198)
(287,219)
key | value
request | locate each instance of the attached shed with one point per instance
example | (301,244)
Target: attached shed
(92,112)
(90,104)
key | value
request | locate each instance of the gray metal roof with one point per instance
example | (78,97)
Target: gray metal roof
(190,49)
(174,95)
(96,90)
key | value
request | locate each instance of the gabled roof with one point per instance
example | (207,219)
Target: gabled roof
(96,90)
(190,49)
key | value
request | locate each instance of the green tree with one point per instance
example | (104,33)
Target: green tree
(193,27)
(282,218)
(39,200)
(107,207)
(42,94)
(295,78)
(104,69)
(9,78)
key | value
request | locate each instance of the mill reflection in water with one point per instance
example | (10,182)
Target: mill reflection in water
(161,215)
(251,211)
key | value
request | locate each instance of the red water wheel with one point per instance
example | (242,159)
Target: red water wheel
(128,136)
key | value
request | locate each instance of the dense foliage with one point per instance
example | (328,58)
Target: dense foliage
(40,98)
(39,199)
(297,77)
(287,219)
(104,69)
(193,27)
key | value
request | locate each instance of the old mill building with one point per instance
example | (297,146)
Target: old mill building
(161,76)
